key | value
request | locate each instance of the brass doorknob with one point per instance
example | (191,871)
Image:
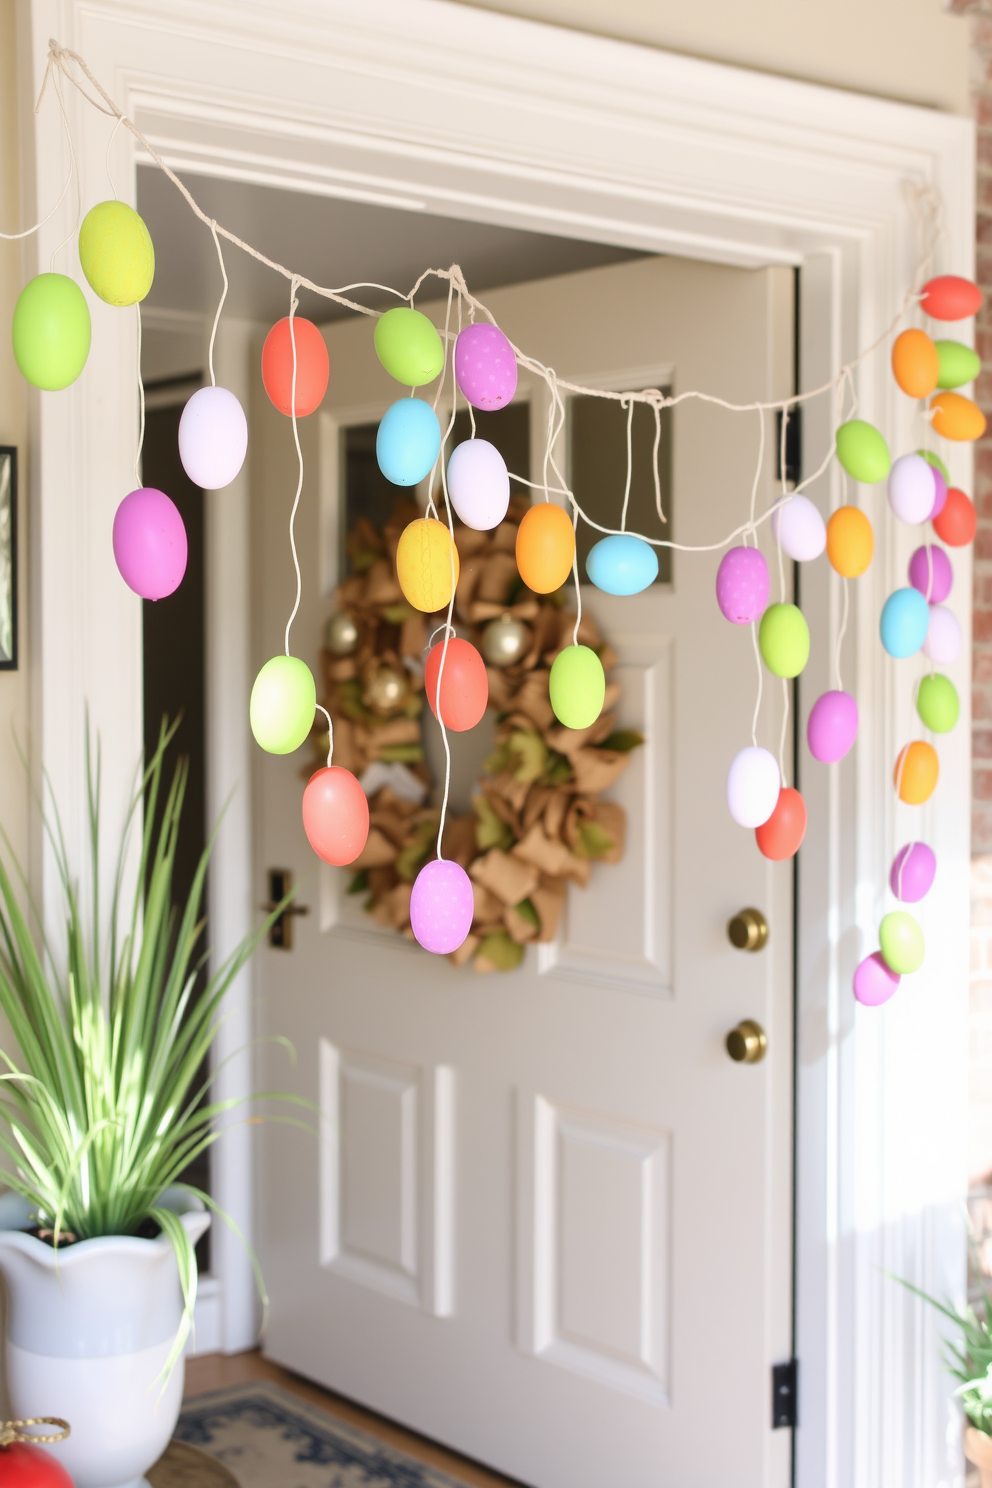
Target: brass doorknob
(746,1044)
(748,930)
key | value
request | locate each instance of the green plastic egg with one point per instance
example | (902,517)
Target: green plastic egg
(283,702)
(116,252)
(958,364)
(937,703)
(863,452)
(783,637)
(901,942)
(936,462)
(51,331)
(577,687)
(408,346)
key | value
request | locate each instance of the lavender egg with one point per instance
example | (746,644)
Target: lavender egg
(832,726)
(940,493)
(913,871)
(742,585)
(485,366)
(931,573)
(874,983)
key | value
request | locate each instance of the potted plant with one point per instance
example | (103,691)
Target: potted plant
(102,1109)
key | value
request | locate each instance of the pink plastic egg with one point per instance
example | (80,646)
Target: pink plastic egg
(913,871)
(943,642)
(441,906)
(742,585)
(874,983)
(150,543)
(832,726)
(930,572)
(485,367)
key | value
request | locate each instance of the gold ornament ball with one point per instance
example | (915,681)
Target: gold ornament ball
(505,641)
(341,634)
(384,690)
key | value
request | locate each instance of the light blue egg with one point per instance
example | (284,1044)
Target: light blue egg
(905,622)
(408,441)
(622,564)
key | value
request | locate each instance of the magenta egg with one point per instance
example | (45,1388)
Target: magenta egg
(931,573)
(913,871)
(150,543)
(743,585)
(441,906)
(940,494)
(832,726)
(874,983)
(485,366)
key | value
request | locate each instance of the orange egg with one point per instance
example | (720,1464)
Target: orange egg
(916,771)
(850,541)
(545,547)
(915,363)
(956,417)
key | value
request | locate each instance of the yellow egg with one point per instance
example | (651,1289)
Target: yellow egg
(956,417)
(425,557)
(915,363)
(850,541)
(545,547)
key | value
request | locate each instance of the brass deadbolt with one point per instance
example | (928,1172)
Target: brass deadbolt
(748,930)
(746,1044)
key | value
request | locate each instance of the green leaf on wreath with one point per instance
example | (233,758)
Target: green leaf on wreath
(594,841)
(500,951)
(413,857)
(523,755)
(528,914)
(558,770)
(623,741)
(406,754)
(492,830)
(395,614)
(359,882)
(363,558)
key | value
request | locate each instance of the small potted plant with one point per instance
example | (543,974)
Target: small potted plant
(970,1361)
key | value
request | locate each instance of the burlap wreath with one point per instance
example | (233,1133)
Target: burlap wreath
(538,821)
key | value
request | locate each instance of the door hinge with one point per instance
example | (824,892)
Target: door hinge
(784,1381)
(793,446)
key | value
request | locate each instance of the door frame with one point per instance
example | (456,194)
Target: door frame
(619,143)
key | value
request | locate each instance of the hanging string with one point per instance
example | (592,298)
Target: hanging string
(630,465)
(449,629)
(28,231)
(110,144)
(330,733)
(578,586)
(785,729)
(141,405)
(757,703)
(293,302)
(840,636)
(656,410)
(56,83)
(220,306)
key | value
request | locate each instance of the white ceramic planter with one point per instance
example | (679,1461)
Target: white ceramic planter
(88,1331)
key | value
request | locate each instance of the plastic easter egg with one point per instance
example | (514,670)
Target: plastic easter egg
(116,253)
(911,489)
(850,541)
(213,438)
(753,786)
(957,524)
(425,559)
(935,461)
(441,906)
(874,982)
(742,585)
(943,642)
(832,726)
(545,547)
(783,638)
(51,331)
(913,871)
(930,572)
(283,703)
(949,297)
(939,494)
(408,346)
(916,771)
(23,1465)
(915,364)
(958,364)
(408,441)
(150,543)
(485,367)
(335,815)
(904,622)
(863,452)
(312,366)
(800,529)
(780,837)
(957,417)
(937,703)
(622,564)
(901,942)
(478,483)
(577,687)
(464,684)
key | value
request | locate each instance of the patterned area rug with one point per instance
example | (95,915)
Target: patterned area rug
(270,1439)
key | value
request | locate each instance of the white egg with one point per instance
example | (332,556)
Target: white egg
(800,529)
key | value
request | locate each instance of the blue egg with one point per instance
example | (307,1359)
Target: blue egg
(408,442)
(905,622)
(622,564)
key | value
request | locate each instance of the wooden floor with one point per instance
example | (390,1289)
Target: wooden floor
(216,1371)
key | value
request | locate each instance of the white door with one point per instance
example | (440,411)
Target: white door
(548,1218)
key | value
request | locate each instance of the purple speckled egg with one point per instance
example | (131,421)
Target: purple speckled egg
(913,871)
(874,983)
(931,573)
(940,494)
(743,585)
(832,726)
(485,367)
(441,906)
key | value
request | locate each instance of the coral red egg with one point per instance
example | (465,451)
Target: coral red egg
(25,1466)
(335,815)
(950,297)
(312,366)
(781,836)
(464,684)
(957,523)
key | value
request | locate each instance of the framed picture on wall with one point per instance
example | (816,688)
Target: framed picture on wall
(8,558)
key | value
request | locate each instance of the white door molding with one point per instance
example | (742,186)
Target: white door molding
(393,102)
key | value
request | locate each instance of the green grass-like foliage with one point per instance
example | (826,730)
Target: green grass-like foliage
(107,1106)
(969,1361)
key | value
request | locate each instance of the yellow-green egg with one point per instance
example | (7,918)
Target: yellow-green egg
(958,364)
(863,452)
(116,252)
(937,703)
(783,637)
(901,942)
(577,687)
